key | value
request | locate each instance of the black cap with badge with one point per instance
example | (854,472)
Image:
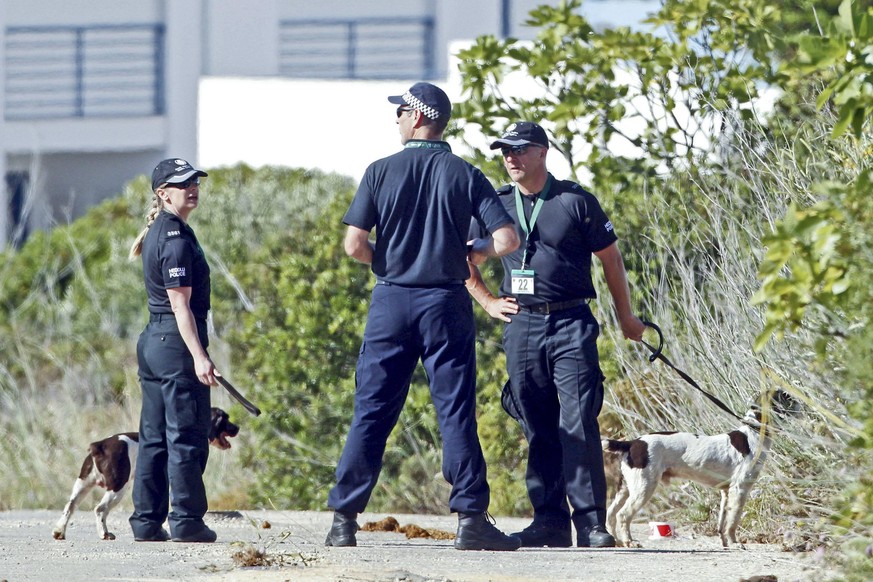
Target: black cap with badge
(522,133)
(427,98)
(174,171)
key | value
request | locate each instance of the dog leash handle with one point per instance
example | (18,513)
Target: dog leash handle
(239,397)
(656,352)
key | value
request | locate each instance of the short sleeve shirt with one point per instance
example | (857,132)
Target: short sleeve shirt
(172,258)
(570,227)
(421,201)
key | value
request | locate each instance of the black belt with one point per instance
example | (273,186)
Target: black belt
(555,306)
(167,316)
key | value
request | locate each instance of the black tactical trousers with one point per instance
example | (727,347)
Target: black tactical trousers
(173,433)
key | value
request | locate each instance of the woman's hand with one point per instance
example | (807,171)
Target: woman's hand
(205,370)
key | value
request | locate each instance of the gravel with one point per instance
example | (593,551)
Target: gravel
(273,546)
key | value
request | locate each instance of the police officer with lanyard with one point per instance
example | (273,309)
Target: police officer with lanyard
(174,368)
(555,387)
(420,201)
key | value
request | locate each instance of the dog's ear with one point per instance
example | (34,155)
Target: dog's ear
(754,412)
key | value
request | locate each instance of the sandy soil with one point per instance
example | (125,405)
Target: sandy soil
(292,546)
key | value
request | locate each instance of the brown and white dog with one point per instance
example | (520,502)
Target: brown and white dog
(111,464)
(728,462)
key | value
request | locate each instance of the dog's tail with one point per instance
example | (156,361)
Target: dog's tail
(613,446)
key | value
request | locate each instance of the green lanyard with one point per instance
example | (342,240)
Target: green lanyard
(522,221)
(429,145)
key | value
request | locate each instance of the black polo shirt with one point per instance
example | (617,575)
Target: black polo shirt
(421,201)
(171,258)
(570,227)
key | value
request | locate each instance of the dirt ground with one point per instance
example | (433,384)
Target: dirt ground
(289,545)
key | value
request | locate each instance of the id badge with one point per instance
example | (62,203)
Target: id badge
(522,281)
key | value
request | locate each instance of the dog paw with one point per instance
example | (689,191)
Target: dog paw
(108,536)
(58,535)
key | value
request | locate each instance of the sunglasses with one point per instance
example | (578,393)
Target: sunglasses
(518,150)
(183,185)
(403,109)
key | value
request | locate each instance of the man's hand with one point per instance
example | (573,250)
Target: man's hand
(499,307)
(632,327)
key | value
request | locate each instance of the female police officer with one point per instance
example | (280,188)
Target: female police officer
(174,369)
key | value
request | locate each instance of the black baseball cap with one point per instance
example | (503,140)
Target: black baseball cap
(173,171)
(427,98)
(522,133)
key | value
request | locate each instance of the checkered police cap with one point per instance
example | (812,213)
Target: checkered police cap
(427,98)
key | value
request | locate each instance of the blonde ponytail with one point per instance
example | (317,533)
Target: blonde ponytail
(136,249)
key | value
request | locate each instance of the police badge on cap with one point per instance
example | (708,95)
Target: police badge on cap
(522,133)
(174,171)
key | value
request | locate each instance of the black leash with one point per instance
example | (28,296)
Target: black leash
(239,397)
(657,355)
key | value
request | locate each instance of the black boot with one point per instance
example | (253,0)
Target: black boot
(342,531)
(546,534)
(595,536)
(477,532)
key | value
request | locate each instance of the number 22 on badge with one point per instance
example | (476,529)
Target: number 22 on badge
(522,282)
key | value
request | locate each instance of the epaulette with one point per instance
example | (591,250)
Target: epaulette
(571,187)
(503,190)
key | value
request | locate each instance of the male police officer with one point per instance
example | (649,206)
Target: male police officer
(555,387)
(420,201)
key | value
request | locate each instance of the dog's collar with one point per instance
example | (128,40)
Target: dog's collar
(756,425)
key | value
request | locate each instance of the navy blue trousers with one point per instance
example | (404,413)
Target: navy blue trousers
(405,325)
(556,385)
(173,434)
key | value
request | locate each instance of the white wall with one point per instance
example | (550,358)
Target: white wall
(81,12)
(333,126)
(241,38)
(182,65)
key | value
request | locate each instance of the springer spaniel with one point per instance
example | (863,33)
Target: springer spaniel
(728,462)
(111,464)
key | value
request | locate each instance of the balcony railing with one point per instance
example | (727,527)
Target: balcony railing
(92,71)
(368,48)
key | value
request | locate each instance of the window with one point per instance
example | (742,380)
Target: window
(56,72)
(371,48)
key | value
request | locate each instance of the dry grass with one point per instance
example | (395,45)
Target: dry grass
(703,308)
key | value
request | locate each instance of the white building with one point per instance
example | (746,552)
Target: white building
(94,92)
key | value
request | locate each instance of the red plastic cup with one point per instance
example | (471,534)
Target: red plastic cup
(660,529)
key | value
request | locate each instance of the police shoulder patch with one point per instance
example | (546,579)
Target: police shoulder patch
(572,187)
